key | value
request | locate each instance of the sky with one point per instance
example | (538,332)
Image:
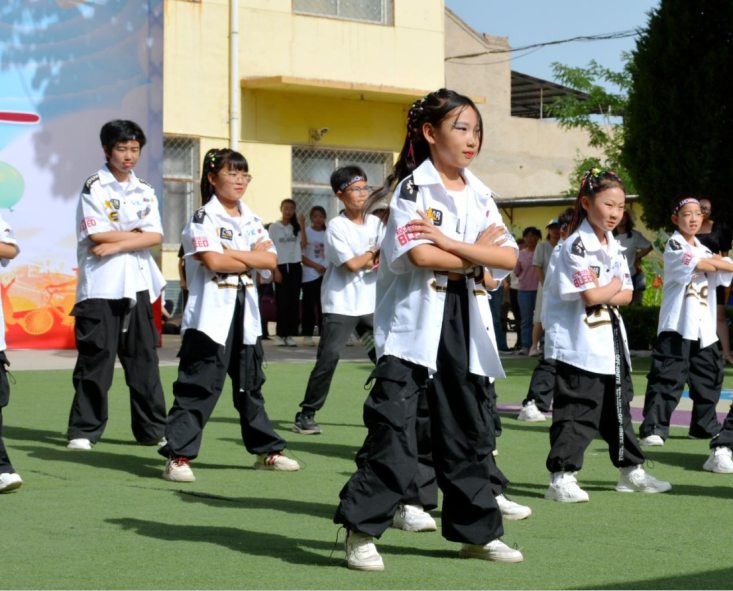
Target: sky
(527,22)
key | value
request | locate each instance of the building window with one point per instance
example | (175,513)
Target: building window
(180,186)
(380,12)
(312,168)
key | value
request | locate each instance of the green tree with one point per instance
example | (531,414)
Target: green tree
(678,136)
(601,116)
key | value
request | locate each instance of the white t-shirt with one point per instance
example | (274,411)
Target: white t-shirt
(286,243)
(105,206)
(689,302)
(344,292)
(6,236)
(577,334)
(212,297)
(315,252)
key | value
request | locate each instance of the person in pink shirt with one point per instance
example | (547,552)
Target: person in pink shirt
(528,284)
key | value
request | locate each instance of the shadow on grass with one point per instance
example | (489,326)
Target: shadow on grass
(317,447)
(49,437)
(713,579)
(290,549)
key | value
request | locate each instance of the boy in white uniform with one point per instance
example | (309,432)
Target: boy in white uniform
(118,220)
(9,479)
(349,288)
(687,342)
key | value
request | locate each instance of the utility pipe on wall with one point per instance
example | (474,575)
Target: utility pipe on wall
(234,74)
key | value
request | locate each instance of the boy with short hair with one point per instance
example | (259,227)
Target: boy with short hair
(348,293)
(118,220)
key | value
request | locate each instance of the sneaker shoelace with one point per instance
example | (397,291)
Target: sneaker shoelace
(273,458)
(180,463)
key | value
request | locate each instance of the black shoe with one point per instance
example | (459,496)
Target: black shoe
(306,425)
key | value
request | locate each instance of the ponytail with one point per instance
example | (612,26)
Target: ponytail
(214,162)
(294,220)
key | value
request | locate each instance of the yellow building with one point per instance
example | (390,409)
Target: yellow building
(321,84)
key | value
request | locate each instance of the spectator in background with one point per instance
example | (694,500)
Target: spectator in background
(637,247)
(717,237)
(540,261)
(528,284)
(511,285)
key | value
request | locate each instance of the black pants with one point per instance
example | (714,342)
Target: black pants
(461,435)
(312,313)
(287,299)
(517,313)
(542,385)
(725,437)
(675,362)
(337,330)
(100,337)
(5,465)
(585,403)
(202,373)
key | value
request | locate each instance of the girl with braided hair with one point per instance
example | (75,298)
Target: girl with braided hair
(434,338)
(585,335)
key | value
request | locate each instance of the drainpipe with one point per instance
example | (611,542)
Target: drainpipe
(234,74)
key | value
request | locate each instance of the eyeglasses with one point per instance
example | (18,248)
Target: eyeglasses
(234,177)
(366,189)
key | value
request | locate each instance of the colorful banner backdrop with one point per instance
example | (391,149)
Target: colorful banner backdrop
(66,68)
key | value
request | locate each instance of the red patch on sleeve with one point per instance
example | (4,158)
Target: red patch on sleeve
(405,235)
(582,278)
(687,258)
(199,242)
(87,223)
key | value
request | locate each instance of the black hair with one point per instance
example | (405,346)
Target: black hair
(565,218)
(532,230)
(433,108)
(320,209)
(629,225)
(343,175)
(214,162)
(121,130)
(595,180)
(293,220)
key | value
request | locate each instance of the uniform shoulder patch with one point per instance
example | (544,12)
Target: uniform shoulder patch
(408,190)
(89,182)
(199,216)
(578,247)
(144,182)
(674,245)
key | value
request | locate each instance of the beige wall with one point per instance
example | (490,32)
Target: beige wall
(520,157)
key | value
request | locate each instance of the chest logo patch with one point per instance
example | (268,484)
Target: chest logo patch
(143,212)
(435,215)
(596,270)
(112,204)
(225,234)
(114,216)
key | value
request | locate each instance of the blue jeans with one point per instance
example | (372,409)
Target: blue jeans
(495,305)
(527,300)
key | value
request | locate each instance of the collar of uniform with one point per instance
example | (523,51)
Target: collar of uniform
(107,178)
(591,242)
(214,207)
(427,174)
(681,239)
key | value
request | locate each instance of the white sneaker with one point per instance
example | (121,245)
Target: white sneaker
(280,342)
(720,461)
(494,452)
(413,518)
(634,479)
(79,444)
(512,511)
(531,414)
(179,470)
(290,342)
(533,352)
(496,551)
(652,441)
(361,553)
(10,481)
(564,488)
(276,461)
(155,442)
(308,342)
(161,442)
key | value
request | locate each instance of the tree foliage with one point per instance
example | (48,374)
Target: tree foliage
(678,132)
(601,116)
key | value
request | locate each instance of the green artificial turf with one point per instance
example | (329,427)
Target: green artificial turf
(105,518)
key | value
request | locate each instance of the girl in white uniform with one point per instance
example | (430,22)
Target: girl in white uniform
(9,478)
(221,327)
(586,335)
(117,221)
(312,243)
(432,332)
(687,344)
